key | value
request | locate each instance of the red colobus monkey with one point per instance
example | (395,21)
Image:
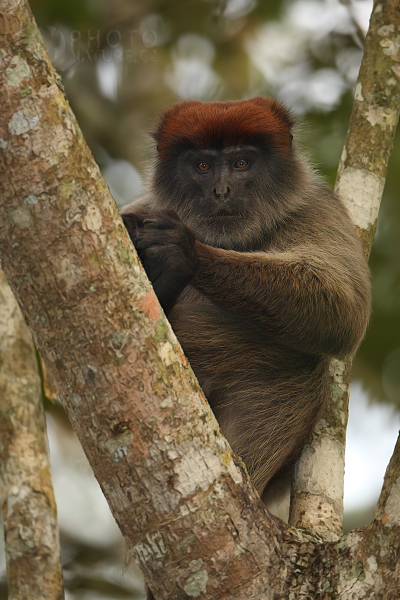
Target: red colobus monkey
(258,268)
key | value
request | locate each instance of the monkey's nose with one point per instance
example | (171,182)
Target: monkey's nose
(222,193)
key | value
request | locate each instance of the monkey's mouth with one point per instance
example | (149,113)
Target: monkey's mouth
(224,214)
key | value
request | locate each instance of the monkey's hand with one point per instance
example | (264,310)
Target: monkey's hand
(166,248)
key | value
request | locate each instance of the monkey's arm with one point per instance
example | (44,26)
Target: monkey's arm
(308,297)
(314,298)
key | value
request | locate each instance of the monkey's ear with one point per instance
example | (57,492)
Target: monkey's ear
(277,108)
(283,113)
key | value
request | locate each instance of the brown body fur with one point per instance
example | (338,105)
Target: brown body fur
(259,328)
(273,296)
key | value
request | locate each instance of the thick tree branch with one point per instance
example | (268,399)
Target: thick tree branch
(27,499)
(388,507)
(318,494)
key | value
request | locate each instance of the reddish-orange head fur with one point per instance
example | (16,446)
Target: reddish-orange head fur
(217,125)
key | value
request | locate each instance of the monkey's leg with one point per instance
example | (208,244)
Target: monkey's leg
(266,397)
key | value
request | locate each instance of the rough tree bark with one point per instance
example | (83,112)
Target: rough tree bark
(27,499)
(182,501)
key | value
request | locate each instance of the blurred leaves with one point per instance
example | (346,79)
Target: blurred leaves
(95,572)
(122,62)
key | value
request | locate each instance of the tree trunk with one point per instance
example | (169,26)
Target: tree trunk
(318,499)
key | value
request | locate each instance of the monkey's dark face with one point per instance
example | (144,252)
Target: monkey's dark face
(231,198)
(221,187)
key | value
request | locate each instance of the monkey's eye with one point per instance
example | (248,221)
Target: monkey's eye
(203,166)
(241,164)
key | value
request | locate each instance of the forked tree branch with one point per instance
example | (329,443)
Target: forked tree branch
(149,434)
(182,501)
